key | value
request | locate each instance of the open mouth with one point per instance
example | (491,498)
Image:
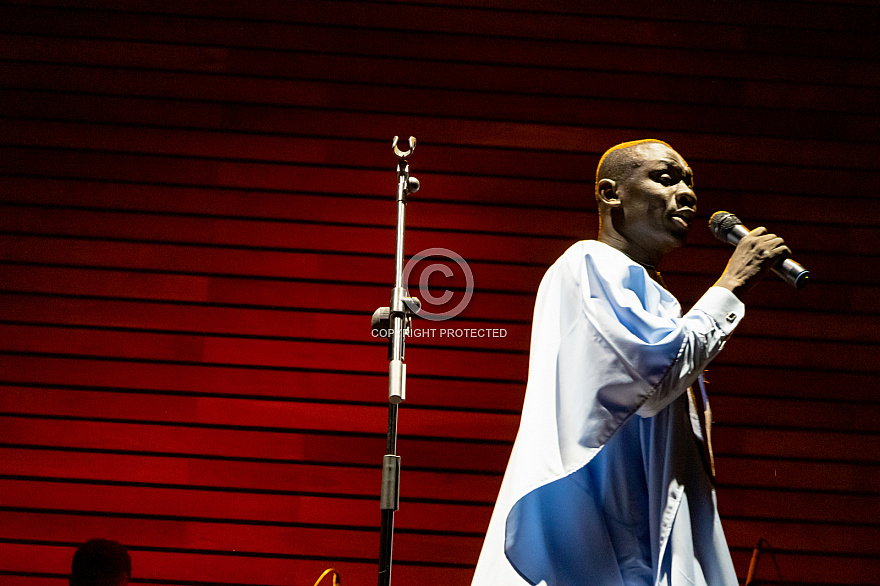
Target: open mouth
(683,218)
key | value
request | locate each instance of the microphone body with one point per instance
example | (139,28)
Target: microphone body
(728,228)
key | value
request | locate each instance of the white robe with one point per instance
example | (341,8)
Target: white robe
(606,484)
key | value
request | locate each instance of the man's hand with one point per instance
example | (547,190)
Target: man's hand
(755,254)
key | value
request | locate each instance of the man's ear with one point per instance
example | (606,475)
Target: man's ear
(606,193)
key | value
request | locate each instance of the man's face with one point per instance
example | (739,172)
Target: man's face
(658,200)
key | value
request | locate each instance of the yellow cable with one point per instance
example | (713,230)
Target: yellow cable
(336,580)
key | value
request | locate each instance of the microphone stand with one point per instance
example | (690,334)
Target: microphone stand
(396,321)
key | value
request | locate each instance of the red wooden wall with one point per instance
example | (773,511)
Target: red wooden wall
(196,222)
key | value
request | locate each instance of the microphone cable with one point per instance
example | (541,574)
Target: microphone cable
(336,579)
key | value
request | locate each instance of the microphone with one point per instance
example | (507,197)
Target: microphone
(728,228)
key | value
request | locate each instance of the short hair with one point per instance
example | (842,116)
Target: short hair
(100,562)
(620,159)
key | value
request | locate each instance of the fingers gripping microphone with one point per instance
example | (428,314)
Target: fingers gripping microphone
(727,228)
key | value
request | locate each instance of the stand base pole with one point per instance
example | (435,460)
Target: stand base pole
(387,534)
(389,500)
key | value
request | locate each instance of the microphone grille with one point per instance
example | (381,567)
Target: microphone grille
(721,223)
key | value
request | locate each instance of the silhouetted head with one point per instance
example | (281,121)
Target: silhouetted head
(100,562)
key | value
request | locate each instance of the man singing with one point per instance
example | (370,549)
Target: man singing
(610,478)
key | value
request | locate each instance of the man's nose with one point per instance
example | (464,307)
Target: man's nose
(685,196)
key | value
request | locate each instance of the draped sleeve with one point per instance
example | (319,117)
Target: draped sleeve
(621,345)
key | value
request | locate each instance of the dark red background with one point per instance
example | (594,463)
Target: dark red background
(197,220)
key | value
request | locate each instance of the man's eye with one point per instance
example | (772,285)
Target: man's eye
(666,179)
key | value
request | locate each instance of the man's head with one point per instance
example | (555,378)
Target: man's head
(100,562)
(644,190)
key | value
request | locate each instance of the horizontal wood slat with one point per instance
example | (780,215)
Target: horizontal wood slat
(827,15)
(268,540)
(251,414)
(277,543)
(574,223)
(828,570)
(448,355)
(840,445)
(809,568)
(210,203)
(429,494)
(309,384)
(307,392)
(736,469)
(346,297)
(512,102)
(476,190)
(337,448)
(30,579)
(216,268)
(111,107)
(261,29)
(794,412)
(853,540)
(279,481)
(263,148)
(308,216)
(107,313)
(154,566)
(246,508)
(829,507)
(303,416)
(555,71)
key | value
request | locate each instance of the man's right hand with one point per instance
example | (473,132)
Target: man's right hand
(756,253)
